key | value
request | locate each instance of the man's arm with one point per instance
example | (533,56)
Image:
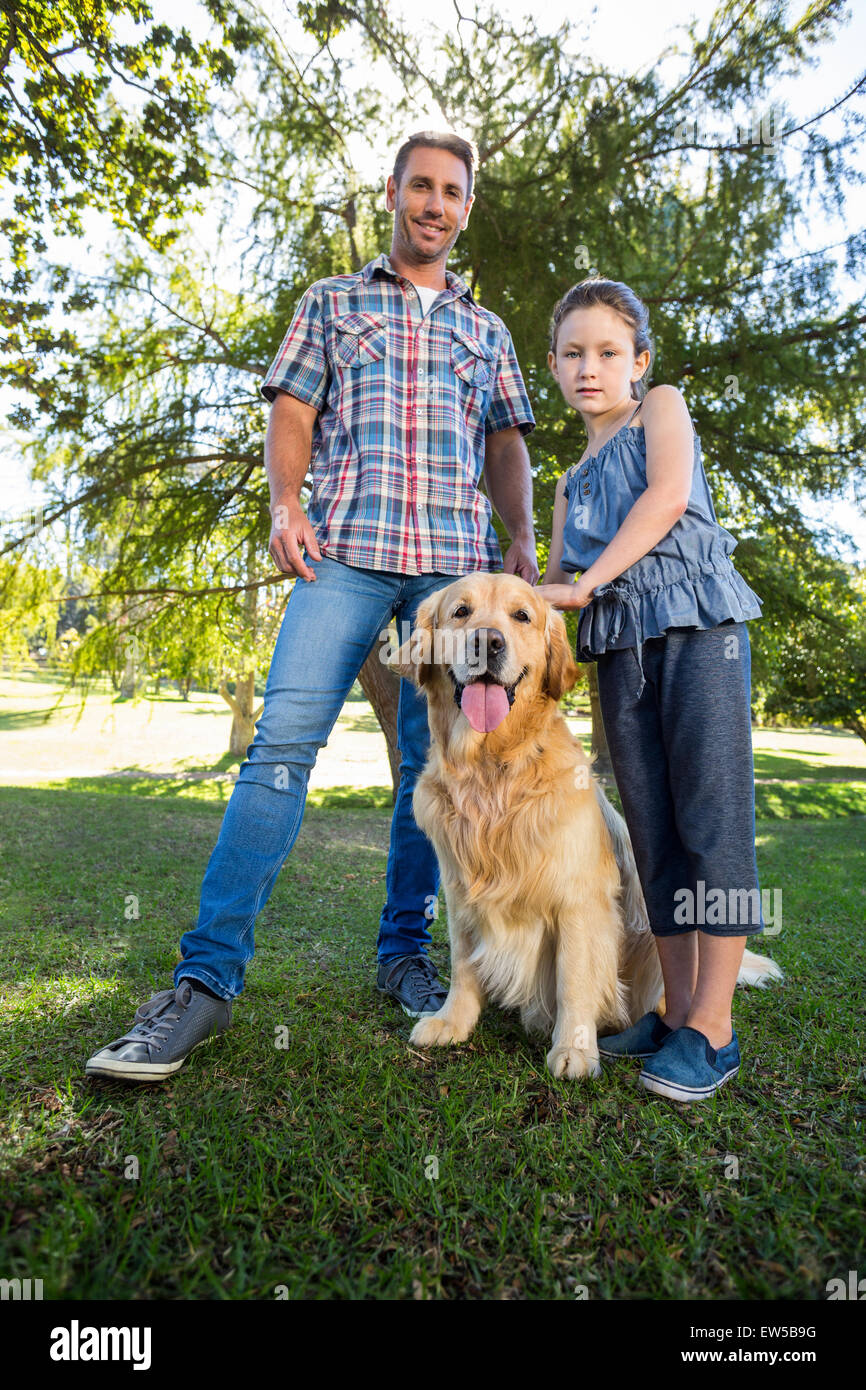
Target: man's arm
(288,445)
(509,487)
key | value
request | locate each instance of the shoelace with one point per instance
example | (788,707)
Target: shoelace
(156,1025)
(426,984)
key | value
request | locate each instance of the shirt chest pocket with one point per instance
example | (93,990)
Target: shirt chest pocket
(470,359)
(360,339)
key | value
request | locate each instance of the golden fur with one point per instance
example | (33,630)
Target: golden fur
(545,909)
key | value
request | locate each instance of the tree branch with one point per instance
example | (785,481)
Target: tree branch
(158,592)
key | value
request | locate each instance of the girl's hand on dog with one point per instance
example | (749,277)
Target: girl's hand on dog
(566,595)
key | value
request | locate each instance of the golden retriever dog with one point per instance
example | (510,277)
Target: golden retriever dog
(545,908)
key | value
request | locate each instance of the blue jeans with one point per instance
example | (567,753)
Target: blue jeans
(331,625)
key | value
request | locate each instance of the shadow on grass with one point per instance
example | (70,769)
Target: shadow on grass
(810,801)
(364,722)
(781,800)
(153,786)
(202,787)
(771,764)
(28,718)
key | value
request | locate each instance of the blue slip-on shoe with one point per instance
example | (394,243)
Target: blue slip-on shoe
(687,1068)
(414,983)
(642,1039)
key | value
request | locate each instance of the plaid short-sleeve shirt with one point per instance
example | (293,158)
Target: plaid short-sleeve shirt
(405,404)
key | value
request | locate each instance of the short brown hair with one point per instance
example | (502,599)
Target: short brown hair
(437,140)
(617,296)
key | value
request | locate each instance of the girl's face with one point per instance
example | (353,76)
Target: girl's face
(595,362)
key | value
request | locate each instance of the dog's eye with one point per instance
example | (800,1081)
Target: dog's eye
(462,612)
(521,616)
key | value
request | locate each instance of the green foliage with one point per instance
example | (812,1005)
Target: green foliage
(90,121)
(149,420)
(28,610)
(812,661)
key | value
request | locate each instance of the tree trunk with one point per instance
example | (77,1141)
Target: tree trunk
(382,688)
(129,680)
(244,715)
(602,765)
(242,703)
(857,726)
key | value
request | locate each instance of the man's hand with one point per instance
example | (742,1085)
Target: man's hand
(520,558)
(291,532)
(287,457)
(509,487)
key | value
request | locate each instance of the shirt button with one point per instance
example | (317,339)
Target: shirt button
(421,373)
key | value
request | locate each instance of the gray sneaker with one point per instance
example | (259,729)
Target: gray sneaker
(414,983)
(164,1032)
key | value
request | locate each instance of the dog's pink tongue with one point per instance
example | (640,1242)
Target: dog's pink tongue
(485,706)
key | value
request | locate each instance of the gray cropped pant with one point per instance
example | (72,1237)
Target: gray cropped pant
(682,758)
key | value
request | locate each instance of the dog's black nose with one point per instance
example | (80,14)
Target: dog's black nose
(484,643)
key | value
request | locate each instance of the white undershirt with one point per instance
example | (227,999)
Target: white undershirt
(426,295)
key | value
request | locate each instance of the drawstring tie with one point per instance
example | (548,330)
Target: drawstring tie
(624,599)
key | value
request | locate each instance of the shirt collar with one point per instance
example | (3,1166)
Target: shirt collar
(382,266)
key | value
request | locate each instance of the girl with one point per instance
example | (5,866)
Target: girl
(664,615)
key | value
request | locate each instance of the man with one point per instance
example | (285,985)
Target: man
(395,387)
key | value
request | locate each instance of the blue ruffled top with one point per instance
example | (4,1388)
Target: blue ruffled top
(687,579)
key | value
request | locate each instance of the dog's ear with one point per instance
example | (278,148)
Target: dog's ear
(561,670)
(414,660)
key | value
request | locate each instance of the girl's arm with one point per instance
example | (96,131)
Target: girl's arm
(669,463)
(553,574)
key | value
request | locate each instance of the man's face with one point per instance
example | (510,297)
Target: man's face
(430,207)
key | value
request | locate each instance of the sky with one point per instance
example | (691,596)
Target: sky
(628,35)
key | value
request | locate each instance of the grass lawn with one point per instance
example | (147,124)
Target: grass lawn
(48,735)
(347,1164)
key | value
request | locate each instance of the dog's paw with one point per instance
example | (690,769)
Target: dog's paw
(436,1030)
(572,1063)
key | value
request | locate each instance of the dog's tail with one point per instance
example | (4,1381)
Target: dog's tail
(640,948)
(758,970)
